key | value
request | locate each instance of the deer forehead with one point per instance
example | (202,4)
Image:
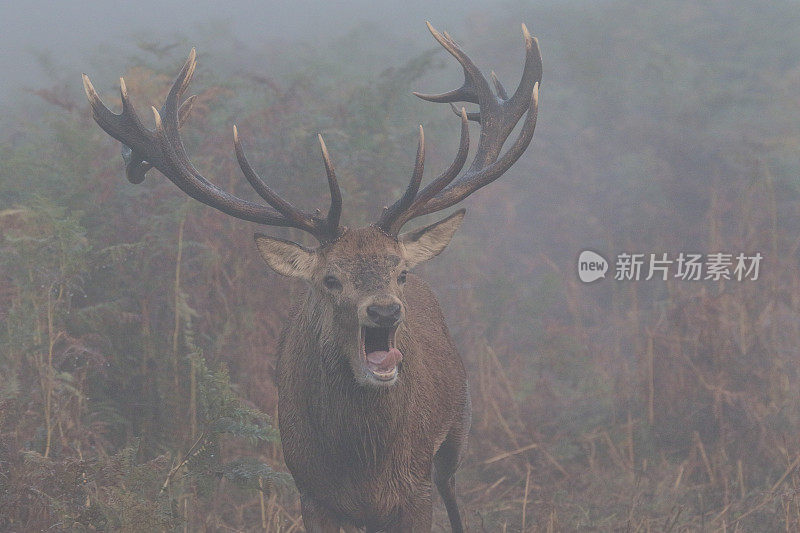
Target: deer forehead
(366,256)
(369,272)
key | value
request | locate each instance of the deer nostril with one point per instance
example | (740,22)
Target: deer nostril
(384,315)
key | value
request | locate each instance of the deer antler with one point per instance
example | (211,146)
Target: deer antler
(164,150)
(497,115)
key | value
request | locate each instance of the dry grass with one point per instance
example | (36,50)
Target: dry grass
(682,414)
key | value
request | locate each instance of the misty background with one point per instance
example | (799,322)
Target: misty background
(138,328)
(40,35)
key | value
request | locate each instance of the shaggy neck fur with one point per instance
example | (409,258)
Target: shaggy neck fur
(354,421)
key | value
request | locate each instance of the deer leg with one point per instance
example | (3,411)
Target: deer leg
(445,463)
(317,519)
(447,489)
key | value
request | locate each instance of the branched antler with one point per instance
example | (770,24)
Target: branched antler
(163,149)
(498,116)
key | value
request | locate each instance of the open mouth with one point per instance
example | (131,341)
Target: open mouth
(379,351)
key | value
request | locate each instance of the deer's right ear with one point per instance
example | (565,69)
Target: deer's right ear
(287,258)
(424,243)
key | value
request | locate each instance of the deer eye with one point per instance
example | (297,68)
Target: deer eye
(402,277)
(332,283)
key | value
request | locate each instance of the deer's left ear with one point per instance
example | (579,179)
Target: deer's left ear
(286,257)
(424,243)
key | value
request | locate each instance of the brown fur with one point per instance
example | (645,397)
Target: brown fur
(369,455)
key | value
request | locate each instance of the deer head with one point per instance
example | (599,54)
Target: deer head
(356,276)
(357,289)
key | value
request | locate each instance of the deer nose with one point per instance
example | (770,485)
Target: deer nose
(384,315)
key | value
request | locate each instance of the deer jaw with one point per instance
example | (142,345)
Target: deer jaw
(346,337)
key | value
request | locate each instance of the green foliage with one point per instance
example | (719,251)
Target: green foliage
(60,337)
(221,413)
(251,474)
(115,493)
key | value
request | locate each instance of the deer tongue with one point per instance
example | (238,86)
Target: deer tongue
(383,361)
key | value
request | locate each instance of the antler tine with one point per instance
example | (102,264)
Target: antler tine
(475,86)
(402,211)
(170,108)
(474,117)
(396,209)
(323,229)
(164,149)
(419,167)
(335,209)
(498,117)
(472,180)
(137,168)
(531,72)
(445,178)
(264,191)
(196,186)
(501,91)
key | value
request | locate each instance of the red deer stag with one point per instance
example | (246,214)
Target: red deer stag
(373,400)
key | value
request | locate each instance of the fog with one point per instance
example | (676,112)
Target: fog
(40,36)
(135,321)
